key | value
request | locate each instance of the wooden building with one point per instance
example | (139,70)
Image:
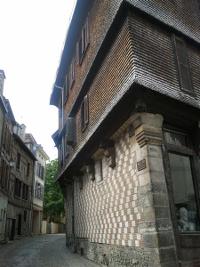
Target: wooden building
(128,94)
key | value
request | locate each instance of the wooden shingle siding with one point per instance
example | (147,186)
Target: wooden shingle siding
(155,61)
(181,15)
(114,73)
(143,53)
(98,24)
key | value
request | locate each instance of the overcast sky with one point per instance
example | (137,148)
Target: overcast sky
(32,34)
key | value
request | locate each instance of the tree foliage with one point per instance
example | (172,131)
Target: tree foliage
(53,197)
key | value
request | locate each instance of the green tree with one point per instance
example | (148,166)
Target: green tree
(53,197)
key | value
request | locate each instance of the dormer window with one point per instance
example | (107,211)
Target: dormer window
(83,42)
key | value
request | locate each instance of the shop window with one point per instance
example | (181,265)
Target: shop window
(183,65)
(184,193)
(183,181)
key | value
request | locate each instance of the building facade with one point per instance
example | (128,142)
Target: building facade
(128,94)
(5,160)
(19,214)
(39,180)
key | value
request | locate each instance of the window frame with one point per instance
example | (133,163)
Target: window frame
(18,161)
(84,41)
(84,113)
(71,74)
(28,169)
(184,151)
(179,64)
(18,188)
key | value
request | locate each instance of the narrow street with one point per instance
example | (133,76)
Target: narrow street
(41,251)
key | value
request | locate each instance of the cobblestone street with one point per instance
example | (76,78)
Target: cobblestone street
(40,251)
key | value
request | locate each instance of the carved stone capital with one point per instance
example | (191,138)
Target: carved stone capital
(148,128)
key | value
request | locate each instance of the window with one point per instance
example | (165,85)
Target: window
(3,174)
(25,192)
(70,134)
(25,215)
(18,185)
(183,65)
(18,161)
(98,171)
(183,183)
(40,170)
(28,170)
(84,113)
(39,190)
(71,74)
(83,42)
(184,193)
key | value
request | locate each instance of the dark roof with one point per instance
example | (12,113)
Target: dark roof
(3,73)
(24,147)
(9,110)
(2,104)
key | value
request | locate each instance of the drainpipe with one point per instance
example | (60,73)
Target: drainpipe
(62,115)
(31,200)
(73,221)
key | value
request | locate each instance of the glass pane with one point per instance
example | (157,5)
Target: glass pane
(184,194)
(175,138)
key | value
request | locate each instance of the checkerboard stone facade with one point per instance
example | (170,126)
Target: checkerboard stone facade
(124,220)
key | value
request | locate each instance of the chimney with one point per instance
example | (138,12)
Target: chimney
(22,131)
(2,78)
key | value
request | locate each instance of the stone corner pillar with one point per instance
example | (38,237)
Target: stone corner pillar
(157,226)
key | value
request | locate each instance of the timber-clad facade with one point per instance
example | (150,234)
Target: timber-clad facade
(128,94)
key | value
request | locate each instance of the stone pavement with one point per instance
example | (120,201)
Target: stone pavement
(41,251)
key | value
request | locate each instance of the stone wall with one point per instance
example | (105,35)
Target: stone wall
(126,216)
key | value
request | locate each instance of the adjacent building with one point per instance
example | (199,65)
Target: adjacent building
(5,128)
(22,170)
(39,180)
(19,214)
(128,94)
